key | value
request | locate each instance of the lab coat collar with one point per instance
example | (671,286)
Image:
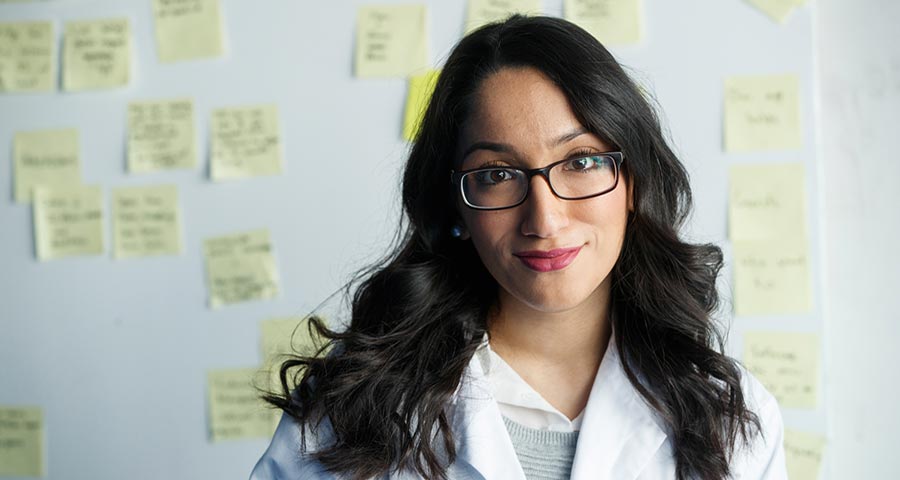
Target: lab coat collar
(619,435)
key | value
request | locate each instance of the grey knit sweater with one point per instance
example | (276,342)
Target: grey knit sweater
(543,454)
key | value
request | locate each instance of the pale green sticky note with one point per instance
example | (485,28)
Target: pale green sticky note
(613,22)
(777,10)
(146,221)
(26,57)
(787,364)
(771,277)
(391,40)
(245,142)
(240,268)
(22,442)
(762,113)
(45,157)
(161,135)
(68,222)
(235,409)
(187,29)
(420,89)
(97,54)
(481,12)
(767,201)
(803,453)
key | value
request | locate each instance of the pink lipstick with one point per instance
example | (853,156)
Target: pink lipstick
(548,260)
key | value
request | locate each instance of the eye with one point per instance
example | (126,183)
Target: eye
(585,164)
(494,176)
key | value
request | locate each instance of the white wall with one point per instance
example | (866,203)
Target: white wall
(858,45)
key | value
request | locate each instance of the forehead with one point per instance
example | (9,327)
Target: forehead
(520,106)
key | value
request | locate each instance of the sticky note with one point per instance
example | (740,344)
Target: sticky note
(391,40)
(45,157)
(803,453)
(146,221)
(762,113)
(161,136)
(787,364)
(481,12)
(187,29)
(771,277)
(777,10)
(240,268)
(21,442)
(235,409)
(613,22)
(68,222)
(420,89)
(767,201)
(283,338)
(97,54)
(26,57)
(245,142)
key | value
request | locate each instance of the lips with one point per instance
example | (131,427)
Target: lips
(548,260)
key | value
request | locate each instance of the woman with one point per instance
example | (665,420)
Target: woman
(541,318)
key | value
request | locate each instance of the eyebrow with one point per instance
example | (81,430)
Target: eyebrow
(506,148)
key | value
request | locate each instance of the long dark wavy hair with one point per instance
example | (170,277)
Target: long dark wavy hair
(418,316)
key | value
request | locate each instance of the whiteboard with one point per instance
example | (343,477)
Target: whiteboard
(116,352)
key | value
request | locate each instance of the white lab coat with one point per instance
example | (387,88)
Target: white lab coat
(621,437)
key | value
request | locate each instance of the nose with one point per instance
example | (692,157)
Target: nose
(543,212)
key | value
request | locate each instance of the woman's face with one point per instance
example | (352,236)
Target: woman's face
(522,119)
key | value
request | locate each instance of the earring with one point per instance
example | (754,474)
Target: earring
(456,231)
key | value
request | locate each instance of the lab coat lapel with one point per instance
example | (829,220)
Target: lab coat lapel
(619,433)
(479,429)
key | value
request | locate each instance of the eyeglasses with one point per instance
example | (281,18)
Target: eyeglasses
(496,188)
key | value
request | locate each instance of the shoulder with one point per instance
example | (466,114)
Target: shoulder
(762,455)
(287,457)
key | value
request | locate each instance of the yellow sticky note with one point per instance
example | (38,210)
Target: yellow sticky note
(787,364)
(803,453)
(146,221)
(420,89)
(481,12)
(235,409)
(187,29)
(240,268)
(762,113)
(777,10)
(161,135)
(613,22)
(245,142)
(21,442)
(97,54)
(45,157)
(26,57)
(391,40)
(771,277)
(767,201)
(68,222)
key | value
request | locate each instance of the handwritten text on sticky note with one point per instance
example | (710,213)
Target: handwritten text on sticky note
(767,201)
(771,277)
(803,453)
(97,54)
(391,40)
(787,364)
(613,22)
(26,57)
(762,113)
(187,29)
(240,268)
(245,142)
(146,221)
(45,157)
(235,409)
(68,222)
(480,12)
(161,136)
(21,442)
